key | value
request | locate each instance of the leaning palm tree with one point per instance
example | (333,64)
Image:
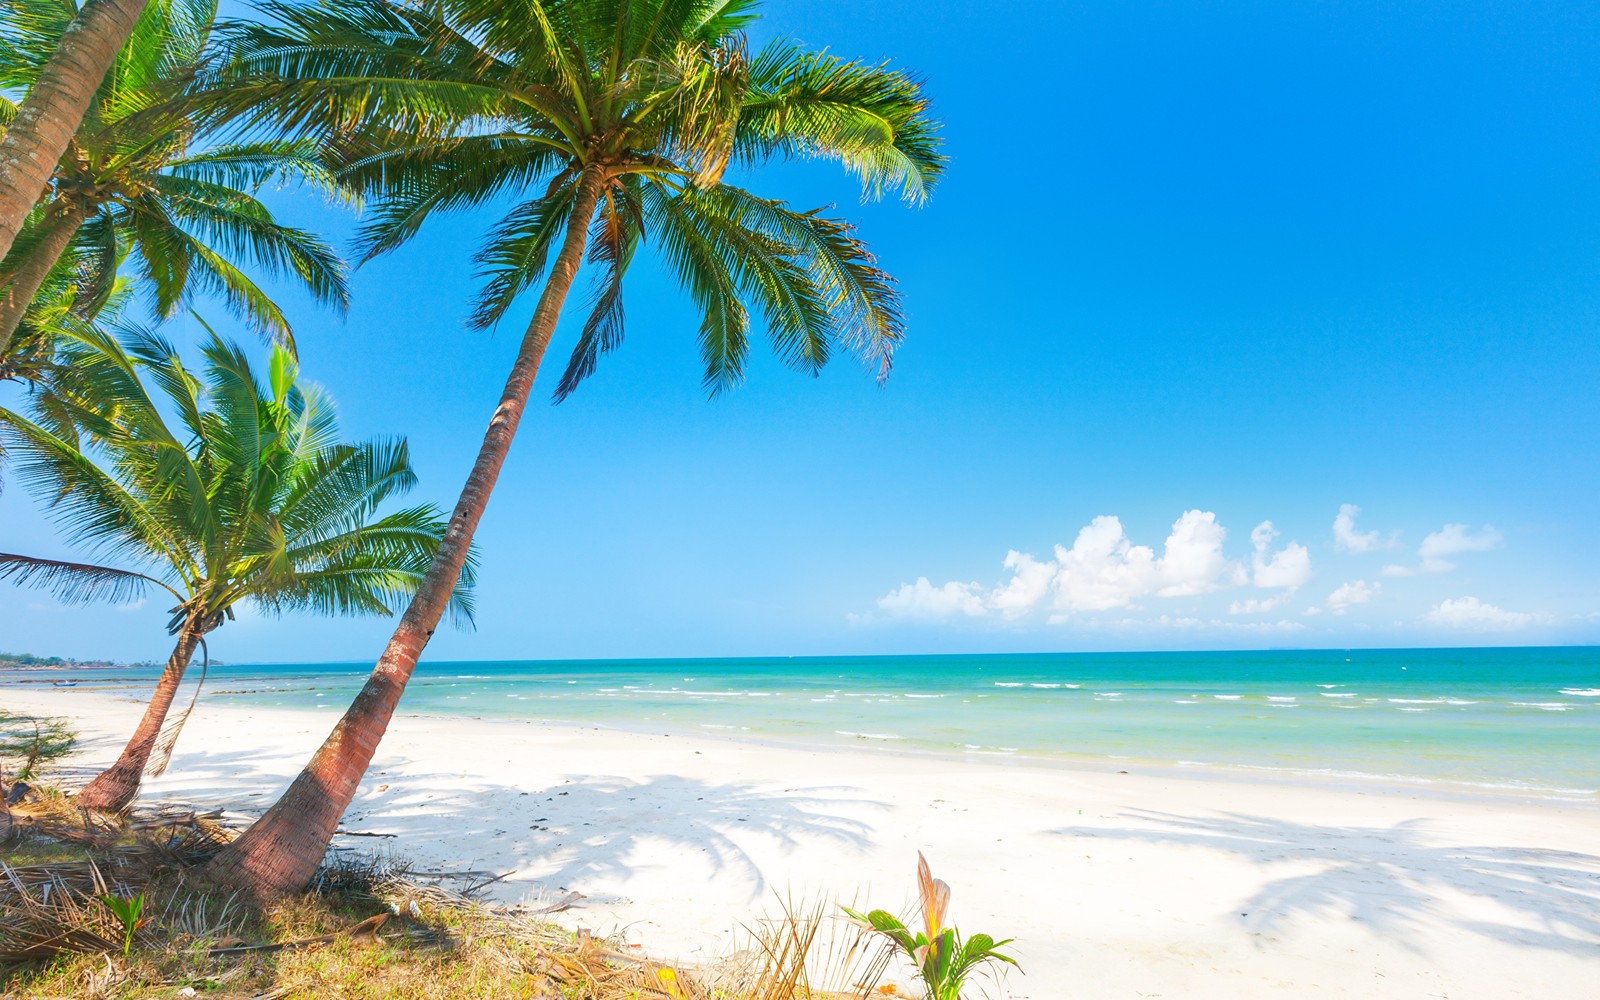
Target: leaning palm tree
(134,184)
(613,122)
(38,131)
(250,496)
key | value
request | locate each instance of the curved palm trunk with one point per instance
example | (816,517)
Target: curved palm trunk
(23,283)
(116,786)
(280,852)
(55,105)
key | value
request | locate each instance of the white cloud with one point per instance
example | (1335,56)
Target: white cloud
(923,600)
(1258,605)
(1030,581)
(1348,539)
(1450,540)
(1102,570)
(133,605)
(1289,567)
(1473,614)
(1105,570)
(1352,593)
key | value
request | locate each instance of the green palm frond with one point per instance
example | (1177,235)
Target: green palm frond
(617,234)
(78,583)
(516,249)
(254,498)
(445,106)
(871,119)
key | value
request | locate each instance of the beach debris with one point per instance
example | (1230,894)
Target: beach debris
(367,928)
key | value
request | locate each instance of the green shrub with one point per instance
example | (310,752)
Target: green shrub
(943,959)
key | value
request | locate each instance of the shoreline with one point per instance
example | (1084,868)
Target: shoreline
(1173,880)
(1450,789)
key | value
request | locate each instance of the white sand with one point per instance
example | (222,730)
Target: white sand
(1146,884)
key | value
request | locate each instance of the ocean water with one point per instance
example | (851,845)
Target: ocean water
(1524,718)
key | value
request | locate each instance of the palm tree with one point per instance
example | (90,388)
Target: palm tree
(37,133)
(615,121)
(132,183)
(251,497)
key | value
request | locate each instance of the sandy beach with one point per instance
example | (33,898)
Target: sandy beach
(1147,883)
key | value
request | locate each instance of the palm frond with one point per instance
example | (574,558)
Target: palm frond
(75,582)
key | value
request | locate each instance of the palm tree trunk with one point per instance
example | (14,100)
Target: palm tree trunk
(23,284)
(280,852)
(116,786)
(54,107)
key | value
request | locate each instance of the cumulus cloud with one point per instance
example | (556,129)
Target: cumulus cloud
(1474,615)
(1103,570)
(1289,567)
(1029,583)
(1346,538)
(1352,593)
(1451,540)
(923,600)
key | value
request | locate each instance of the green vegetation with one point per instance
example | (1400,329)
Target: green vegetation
(107,910)
(136,193)
(27,742)
(12,661)
(943,959)
(249,495)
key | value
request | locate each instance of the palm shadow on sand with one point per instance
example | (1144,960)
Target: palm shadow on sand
(1388,878)
(584,830)
(593,827)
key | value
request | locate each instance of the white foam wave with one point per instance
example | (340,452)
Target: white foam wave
(868,736)
(1227,697)
(1280,698)
(1009,684)
(1548,706)
(1338,694)
(1582,692)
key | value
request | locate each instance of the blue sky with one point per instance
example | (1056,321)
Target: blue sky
(1206,265)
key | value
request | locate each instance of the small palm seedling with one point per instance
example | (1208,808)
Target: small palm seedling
(129,913)
(943,959)
(32,742)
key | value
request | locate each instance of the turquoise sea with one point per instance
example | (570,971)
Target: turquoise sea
(1526,718)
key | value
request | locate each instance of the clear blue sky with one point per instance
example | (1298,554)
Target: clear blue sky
(1253,261)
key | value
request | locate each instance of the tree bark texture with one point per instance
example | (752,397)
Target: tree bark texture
(113,790)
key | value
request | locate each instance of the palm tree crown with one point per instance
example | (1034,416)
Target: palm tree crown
(249,496)
(445,106)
